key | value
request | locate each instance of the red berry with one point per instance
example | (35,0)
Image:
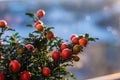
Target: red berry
(38,22)
(75,40)
(46,71)
(56,55)
(25,75)
(40,13)
(63,46)
(73,35)
(50,35)
(2,76)
(66,53)
(15,65)
(29,46)
(3,23)
(83,42)
(0,54)
(1,42)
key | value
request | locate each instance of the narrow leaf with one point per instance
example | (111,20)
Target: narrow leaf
(91,39)
(29,25)
(30,14)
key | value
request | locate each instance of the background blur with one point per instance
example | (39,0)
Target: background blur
(99,18)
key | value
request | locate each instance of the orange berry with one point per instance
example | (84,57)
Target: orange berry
(83,42)
(20,50)
(3,23)
(39,27)
(38,22)
(76,48)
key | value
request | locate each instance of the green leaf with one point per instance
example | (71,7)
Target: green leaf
(49,28)
(72,75)
(86,35)
(35,32)
(67,65)
(1,33)
(11,41)
(31,35)
(97,38)
(91,39)
(16,35)
(79,37)
(29,25)
(10,29)
(30,14)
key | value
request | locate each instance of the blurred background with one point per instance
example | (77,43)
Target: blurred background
(99,18)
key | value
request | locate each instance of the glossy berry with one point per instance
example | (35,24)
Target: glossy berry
(76,58)
(40,13)
(75,40)
(20,50)
(66,53)
(83,42)
(39,27)
(56,55)
(29,46)
(38,22)
(63,46)
(0,54)
(2,76)
(25,75)
(1,42)
(76,48)
(46,71)
(3,23)
(15,66)
(73,35)
(50,35)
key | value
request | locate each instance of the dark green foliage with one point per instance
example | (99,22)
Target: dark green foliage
(33,60)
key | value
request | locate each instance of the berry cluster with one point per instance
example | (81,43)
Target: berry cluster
(41,56)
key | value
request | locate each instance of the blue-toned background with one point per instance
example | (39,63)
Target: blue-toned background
(99,18)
